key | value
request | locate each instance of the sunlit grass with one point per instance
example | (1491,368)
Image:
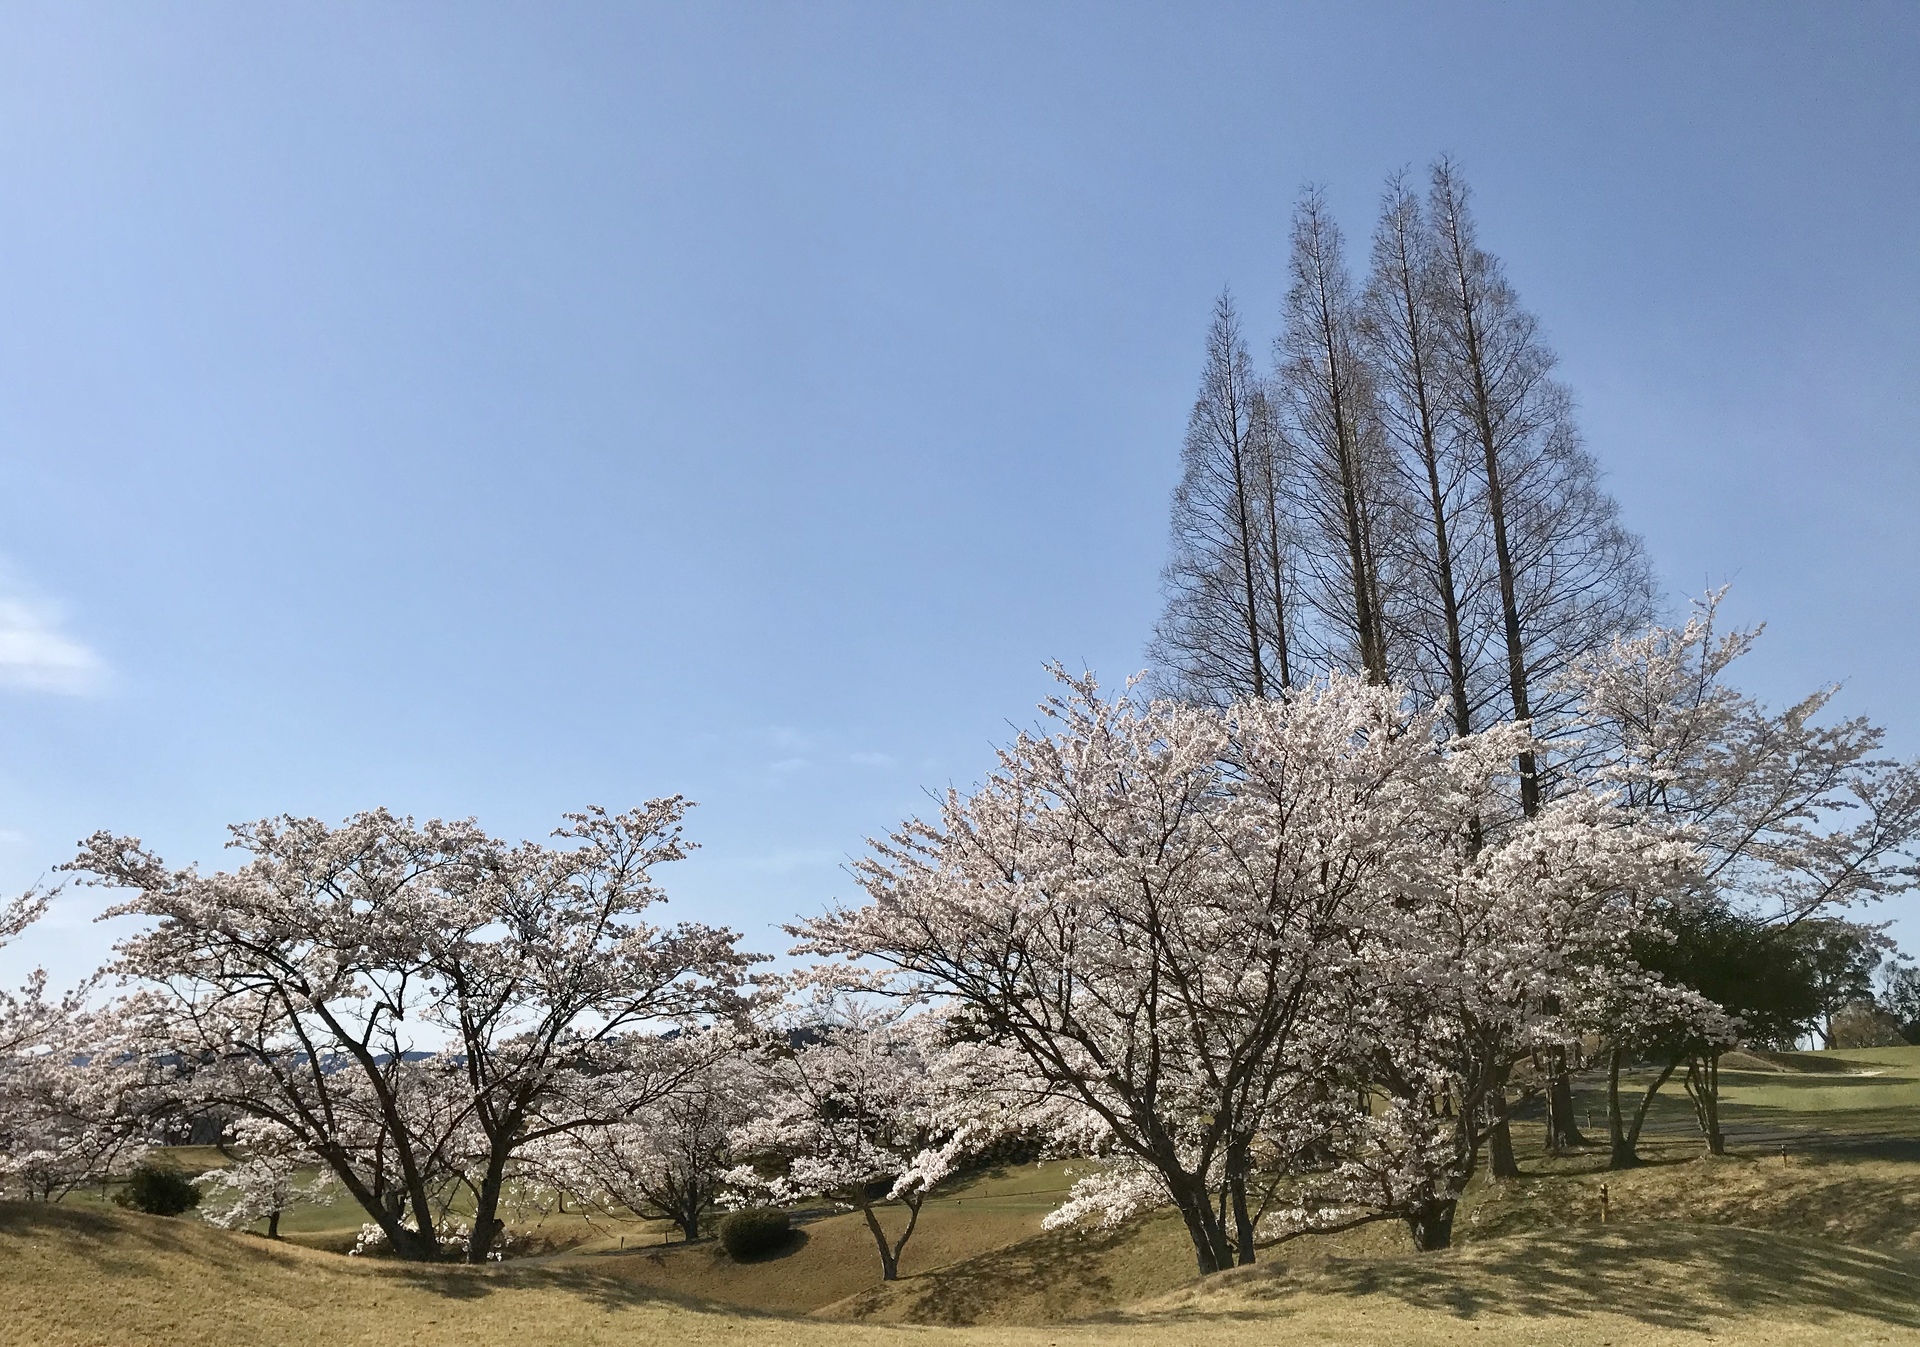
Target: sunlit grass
(90,1278)
(1815,1246)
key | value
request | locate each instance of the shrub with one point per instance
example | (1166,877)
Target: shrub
(158,1191)
(758,1230)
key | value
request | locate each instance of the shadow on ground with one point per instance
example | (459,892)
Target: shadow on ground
(1666,1276)
(121,1245)
(1054,1276)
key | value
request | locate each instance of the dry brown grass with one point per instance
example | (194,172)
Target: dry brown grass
(1059,1275)
(1817,1249)
(828,1260)
(92,1278)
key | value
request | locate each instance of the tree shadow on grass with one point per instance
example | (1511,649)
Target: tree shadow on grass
(114,1245)
(1664,1276)
(599,1288)
(795,1241)
(121,1243)
(1069,1273)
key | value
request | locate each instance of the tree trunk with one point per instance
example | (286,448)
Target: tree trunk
(1246,566)
(273,1225)
(1620,1151)
(1500,1159)
(1563,1133)
(1212,1250)
(1480,403)
(1276,564)
(890,1251)
(1631,1147)
(1703,1086)
(1242,1218)
(415,1245)
(1431,1224)
(1501,1163)
(1410,307)
(388,1208)
(486,1209)
(889,1261)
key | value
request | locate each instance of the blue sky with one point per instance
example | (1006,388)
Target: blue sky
(493,410)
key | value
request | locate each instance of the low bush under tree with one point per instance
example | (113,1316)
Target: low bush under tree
(755,1231)
(158,1191)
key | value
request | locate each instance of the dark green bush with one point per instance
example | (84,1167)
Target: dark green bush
(158,1191)
(758,1230)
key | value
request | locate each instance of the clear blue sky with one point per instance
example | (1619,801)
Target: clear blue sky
(492,410)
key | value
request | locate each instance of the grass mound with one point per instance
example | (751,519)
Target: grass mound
(1625,1284)
(1808,1234)
(1870,1197)
(90,1278)
(96,1277)
(1053,1276)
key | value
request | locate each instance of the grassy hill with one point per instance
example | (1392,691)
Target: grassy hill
(1816,1245)
(92,1278)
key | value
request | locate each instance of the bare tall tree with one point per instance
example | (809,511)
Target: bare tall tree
(1279,571)
(1223,633)
(1325,392)
(1570,576)
(1444,560)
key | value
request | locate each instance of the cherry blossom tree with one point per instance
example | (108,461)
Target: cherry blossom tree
(1209,928)
(863,1108)
(1483,969)
(264,1181)
(1107,904)
(1794,815)
(70,1113)
(417,1003)
(670,1160)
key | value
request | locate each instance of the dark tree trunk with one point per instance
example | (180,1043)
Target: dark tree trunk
(1500,1159)
(1626,1152)
(1242,1217)
(889,1260)
(416,1246)
(890,1250)
(1431,1225)
(486,1209)
(1480,403)
(1620,1151)
(1246,563)
(1212,1250)
(1501,1163)
(273,1225)
(1563,1133)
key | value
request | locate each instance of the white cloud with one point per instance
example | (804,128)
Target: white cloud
(871,759)
(35,654)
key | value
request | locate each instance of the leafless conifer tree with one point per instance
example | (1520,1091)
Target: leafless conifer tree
(1444,558)
(1570,576)
(1325,396)
(1223,633)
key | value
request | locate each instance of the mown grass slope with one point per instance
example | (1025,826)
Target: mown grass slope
(1808,1234)
(92,1278)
